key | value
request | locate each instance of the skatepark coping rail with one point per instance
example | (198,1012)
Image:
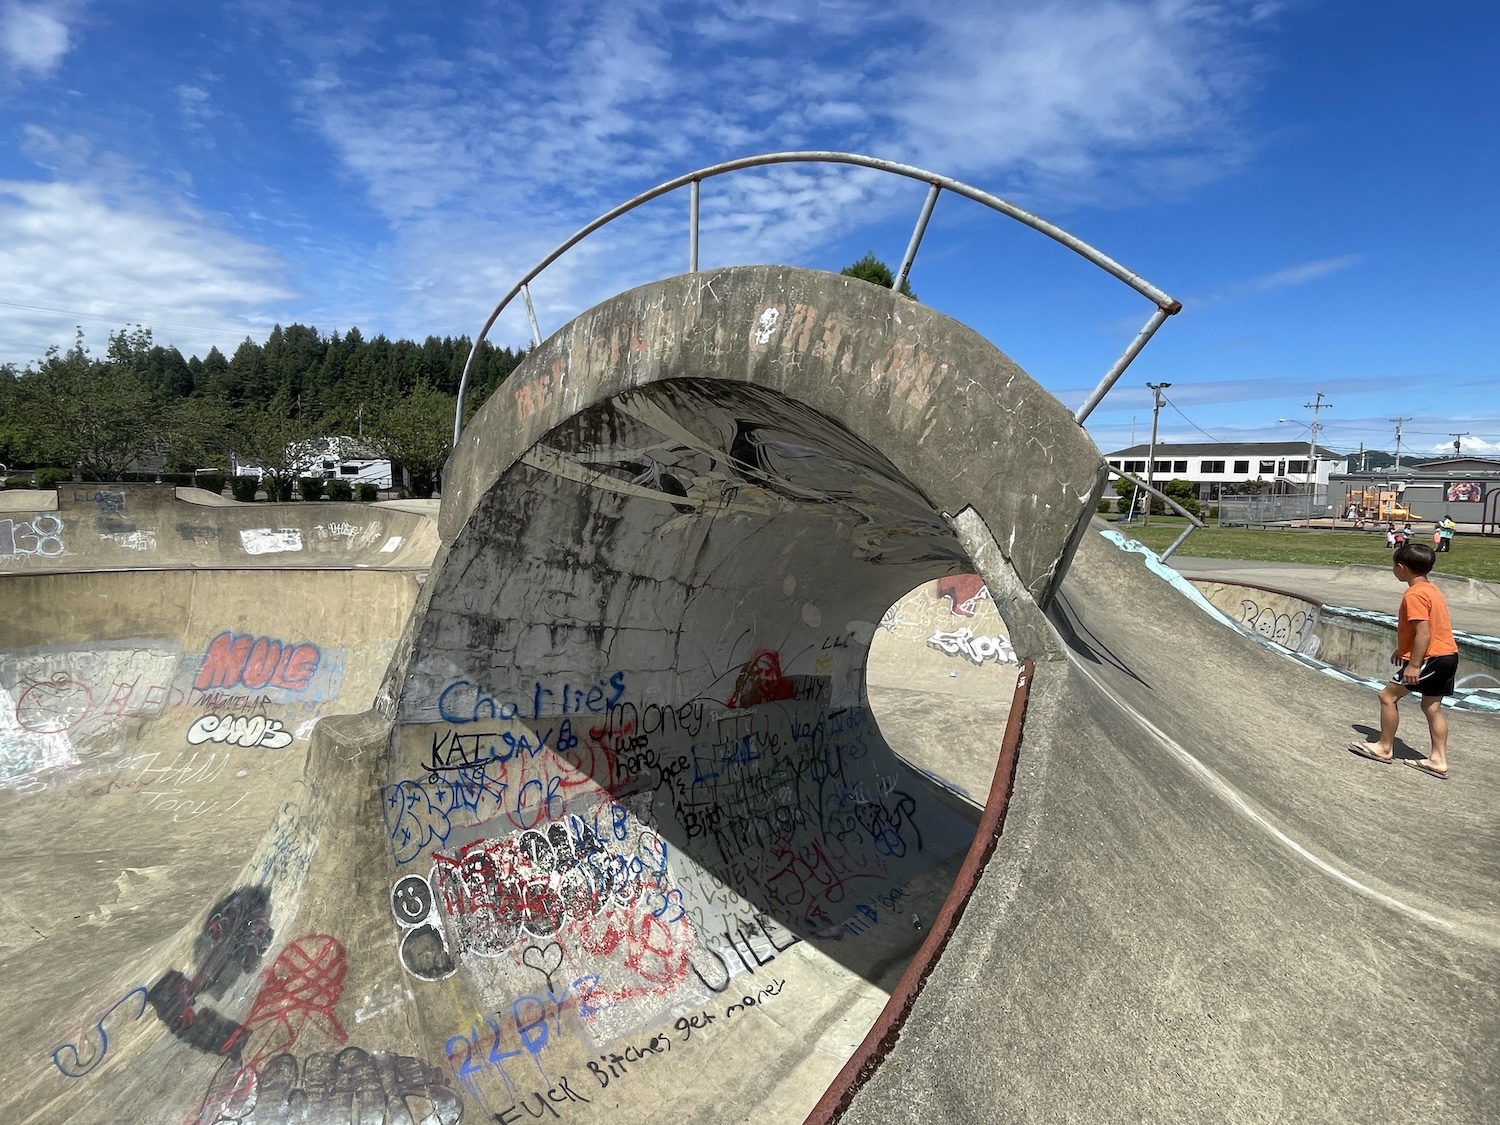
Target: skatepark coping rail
(1165,305)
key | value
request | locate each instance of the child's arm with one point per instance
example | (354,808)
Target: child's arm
(1413,671)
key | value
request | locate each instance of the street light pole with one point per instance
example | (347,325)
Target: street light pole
(1156,390)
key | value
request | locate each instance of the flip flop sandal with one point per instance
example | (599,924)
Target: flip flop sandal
(1362,749)
(1418,764)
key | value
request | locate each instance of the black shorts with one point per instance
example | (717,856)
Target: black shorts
(1437,676)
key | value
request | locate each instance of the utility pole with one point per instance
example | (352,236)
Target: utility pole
(1361,456)
(1312,447)
(1400,422)
(1156,389)
(1458,441)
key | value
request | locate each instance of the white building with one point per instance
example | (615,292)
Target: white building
(347,458)
(331,458)
(1210,466)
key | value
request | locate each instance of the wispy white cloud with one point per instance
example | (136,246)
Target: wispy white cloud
(1286,277)
(482,141)
(34,37)
(1304,272)
(1473,445)
(541,119)
(77,252)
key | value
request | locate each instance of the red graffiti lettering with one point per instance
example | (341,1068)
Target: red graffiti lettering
(256,663)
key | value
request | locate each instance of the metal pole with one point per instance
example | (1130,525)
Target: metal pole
(693,226)
(1166,304)
(1399,423)
(1112,376)
(916,237)
(536,333)
(1156,389)
(1194,523)
(1312,445)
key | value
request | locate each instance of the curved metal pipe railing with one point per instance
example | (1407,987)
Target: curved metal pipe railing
(1165,305)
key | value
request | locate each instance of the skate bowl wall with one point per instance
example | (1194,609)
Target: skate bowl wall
(137,526)
(633,771)
(1357,641)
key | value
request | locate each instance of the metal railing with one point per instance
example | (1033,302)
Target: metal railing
(1165,305)
(1193,521)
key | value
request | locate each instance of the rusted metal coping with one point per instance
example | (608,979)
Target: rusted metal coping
(1166,305)
(886,1031)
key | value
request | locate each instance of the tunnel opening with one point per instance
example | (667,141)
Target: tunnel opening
(636,768)
(940,678)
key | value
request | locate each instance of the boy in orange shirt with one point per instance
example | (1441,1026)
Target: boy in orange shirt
(1427,660)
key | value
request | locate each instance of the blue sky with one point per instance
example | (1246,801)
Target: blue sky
(1316,181)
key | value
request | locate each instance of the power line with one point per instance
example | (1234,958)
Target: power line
(116,320)
(1190,422)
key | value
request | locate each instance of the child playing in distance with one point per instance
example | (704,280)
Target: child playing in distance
(1426,657)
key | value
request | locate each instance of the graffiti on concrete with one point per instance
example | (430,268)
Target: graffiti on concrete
(963,592)
(235,937)
(40,537)
(301,988)
(424,946)
(72,1062)
(1295,631)
(239,730)
(242,660)
(963,642)
(352,1087)
(130,540)
(270,540)
(54,700)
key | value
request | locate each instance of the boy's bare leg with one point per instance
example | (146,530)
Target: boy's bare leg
(1437,725)
(1385,746)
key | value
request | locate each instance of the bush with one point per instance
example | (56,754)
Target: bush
(211,482)
(310,488)
(1106,507)
(423,484)
(366,491)
(1213,512)
(17,482)
(340,490)
(244,488)
(278,489)
(51,478)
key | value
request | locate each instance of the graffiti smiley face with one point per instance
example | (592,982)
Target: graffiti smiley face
(411,899)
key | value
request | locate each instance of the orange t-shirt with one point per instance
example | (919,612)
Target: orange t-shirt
(1424,602)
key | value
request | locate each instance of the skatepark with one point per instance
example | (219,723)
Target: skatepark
(762,728)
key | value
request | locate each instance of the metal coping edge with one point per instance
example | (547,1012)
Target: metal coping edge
(883,1035)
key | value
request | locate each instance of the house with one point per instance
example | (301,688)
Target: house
(1212,466)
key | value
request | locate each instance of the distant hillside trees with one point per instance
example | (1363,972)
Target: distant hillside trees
(142,404)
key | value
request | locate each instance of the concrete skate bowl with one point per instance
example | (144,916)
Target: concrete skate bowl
(1346,638)
(620,839)
(159,684)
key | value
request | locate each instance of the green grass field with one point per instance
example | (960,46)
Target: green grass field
(1472,556)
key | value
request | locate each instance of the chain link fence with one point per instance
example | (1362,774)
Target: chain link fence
(1260,510)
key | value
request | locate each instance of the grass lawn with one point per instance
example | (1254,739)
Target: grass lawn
(1472,556)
